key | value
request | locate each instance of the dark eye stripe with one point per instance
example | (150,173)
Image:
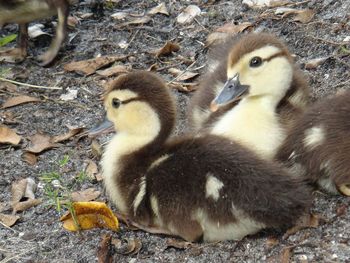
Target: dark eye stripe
(279,54)
(131,100)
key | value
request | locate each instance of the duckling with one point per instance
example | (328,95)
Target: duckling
(318,145)
(198,188)
(23,12)
(232,57)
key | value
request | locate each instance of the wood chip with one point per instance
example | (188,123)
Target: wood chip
(86,195)
(40,142)
(8,135)
(18,100)
(159,9)
(88,67)
(188,15)
(8,220)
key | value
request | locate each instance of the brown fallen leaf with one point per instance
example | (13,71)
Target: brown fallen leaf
(8,135)
(113,71)
(90,215)
(4,206)
(88,67)
(66,136)
(184,87)
(159,9)
(180,244)
(136,21)
(271,242)
(265,3)
(306,221)
(167,49)
(14,101)
(182,75)
(314,63)
(131,247)
(30,188)
(18,189)
(119,15)
(228,29)
(21,206)
(11,55)
(104,252)
(86,195)
(30,158)
(188,15)
(40,142)
(305,16)
(8,220)
(72,21)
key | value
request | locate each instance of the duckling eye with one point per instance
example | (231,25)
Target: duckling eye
(255,62)
(116,103)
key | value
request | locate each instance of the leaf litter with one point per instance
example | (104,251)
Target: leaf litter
(18,100)
(8,135)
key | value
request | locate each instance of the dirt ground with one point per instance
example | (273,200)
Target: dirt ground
(38,236)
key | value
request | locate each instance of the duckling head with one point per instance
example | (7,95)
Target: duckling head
(140,104)
(258,66)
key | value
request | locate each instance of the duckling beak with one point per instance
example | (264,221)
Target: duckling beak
(104,127)
(232,91)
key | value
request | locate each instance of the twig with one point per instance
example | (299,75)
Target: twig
(30,85)
(9,228)
(169,66)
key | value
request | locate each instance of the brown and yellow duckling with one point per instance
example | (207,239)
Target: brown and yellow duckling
(25,11)
(276,87)
(204,187)
(318,145)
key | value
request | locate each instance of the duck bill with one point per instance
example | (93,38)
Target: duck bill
(104,127)
(232,91)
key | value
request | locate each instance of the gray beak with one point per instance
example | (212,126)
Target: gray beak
(104,127)
(232,91)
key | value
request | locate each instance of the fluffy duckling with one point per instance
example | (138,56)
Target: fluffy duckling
(265,64)
(318,145)
(197,188)
(23,12)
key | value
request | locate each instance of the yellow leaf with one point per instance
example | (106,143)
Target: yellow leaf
(89,215)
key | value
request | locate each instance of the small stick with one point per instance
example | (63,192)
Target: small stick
(30,85)
(182,73)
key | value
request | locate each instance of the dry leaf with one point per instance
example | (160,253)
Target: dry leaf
(180,244)
(234,29)
(18,189)
(9,136)
(72,21)
(216,38)
(8,220)
(305,16)
(188,14)
(113,71)
(104,252)
(35,31)
(30,158)
(90,215)
(159,9)
(119,15)
(86,195)
(14,101)
(21,206)
(12,55)
(132,246)
(167,49)
(306,221)
(182,75)
(314,63)
(3,206)
(40,142)
(30,188)
(66,136)
(136,21)
(91,169)
(88,67)
(184,87)
(265,3)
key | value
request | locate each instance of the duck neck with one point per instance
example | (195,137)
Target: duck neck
(254,124)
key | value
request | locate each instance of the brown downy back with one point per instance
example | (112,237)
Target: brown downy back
(319,140)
